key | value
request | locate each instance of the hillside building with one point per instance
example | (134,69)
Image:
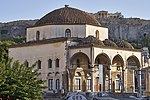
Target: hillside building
(106,14)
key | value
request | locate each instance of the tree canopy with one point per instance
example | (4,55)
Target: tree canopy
(17,80)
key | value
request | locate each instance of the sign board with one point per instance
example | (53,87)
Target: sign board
(100,74)
(77,97)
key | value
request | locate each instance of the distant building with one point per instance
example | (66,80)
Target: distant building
(106,14)
(73,53)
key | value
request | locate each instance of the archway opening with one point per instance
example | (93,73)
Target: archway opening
(104,61)
(133,66)
(117,74)
(79,63)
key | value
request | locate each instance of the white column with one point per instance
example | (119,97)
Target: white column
(109,79)
(92,78)
(92,68)
(139,83)
(61,80)
(122,81)
(54,83)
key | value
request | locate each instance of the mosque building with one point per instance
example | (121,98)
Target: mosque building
(74,54)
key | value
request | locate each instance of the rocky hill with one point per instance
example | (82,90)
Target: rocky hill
(131,29)
(16,28)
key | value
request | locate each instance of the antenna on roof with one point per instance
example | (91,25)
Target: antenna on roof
(66,5)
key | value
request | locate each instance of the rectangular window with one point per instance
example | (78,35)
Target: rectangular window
(39,64)
(77,84)
(57,62)
(88,84)
(49,63)
(117,85)
(50,84)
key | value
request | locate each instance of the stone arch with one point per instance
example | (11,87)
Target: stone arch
(133,68)
(135,59)
(79,63)
(116,73)
(118,61)
(57,75)
(50,75)
(104,60)
(82,58)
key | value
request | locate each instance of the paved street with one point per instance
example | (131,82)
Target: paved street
(121,98)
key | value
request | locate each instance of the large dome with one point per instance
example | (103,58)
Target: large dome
(67,15)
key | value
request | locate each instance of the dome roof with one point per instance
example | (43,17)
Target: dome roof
(124,44)
(109,43)
(91,40)
(65,16)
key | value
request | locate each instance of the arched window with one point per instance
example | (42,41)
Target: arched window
(57,84)
(97,34)
(49,74)
(38,35)
(49,63)
(118,80)
(26,63)
(57,74)
(57,62)
(78,63)
(67,33)
(88,82)
(50,84)
(39,64)
(78,82)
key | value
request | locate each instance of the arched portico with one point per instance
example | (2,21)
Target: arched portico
(117,73)
(79,72)
(104,60)
(133,72)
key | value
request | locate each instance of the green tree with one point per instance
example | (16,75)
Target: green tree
(17,80)
(4,49)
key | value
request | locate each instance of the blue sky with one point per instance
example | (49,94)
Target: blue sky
(12,10)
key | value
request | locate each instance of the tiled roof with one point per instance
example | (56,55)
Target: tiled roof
(67,15)
(91,40)
(109,43)
(124,44)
